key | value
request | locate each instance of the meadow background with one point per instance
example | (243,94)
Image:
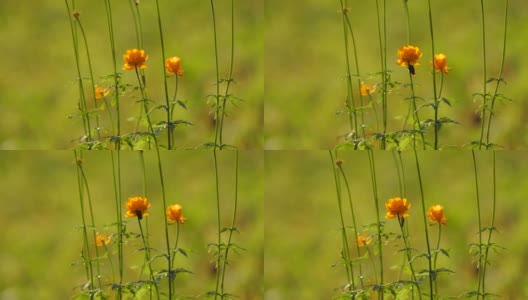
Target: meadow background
(38,88)
(305,65)
(41,235)
(302,234)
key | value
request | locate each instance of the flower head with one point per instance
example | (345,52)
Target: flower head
(137,207)
(397,207)
(102,239)
(174,214)
(440,63)
(101,92)
(172,65)
(436,214)
(339,162)
(409,56)
(367,89)
(363,239)
(135,59)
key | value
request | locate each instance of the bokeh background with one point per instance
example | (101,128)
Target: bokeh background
(41,239)
(38,88)
(302,235)
(305,65)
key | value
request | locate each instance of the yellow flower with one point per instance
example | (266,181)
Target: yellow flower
(363,240)
(397,207)
(135,59)
(174,214)
(102,239)
(409,56)
(440,63)
(367,89)
(137,207)
(436,214)
(172,65)
(101,92)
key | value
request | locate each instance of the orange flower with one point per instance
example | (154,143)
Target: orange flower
(172,65)
(363,240)
(436,214)
(174,214)
(397,207)
(409,56)
(102,239)
(367,89)
(440,63)
(137,207)
(101,92)
(135,59)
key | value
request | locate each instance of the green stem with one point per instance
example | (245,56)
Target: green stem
(372,167)
(116,175)
(436,255)
(346,250)
(484,75)
(116,75)
(217,95)
(165,85)
(233,219)
(416,119)
(349,194)
(408,253)
(383,59)
(436,102)
(219,230)
(495,93)
(424,214)
(174,255)
(147,258)
(491,229)
(480,263)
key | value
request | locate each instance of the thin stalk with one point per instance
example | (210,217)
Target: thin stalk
(175,249)
(144,185)
(416,118)
(495,93)
(108,8)
(165,85)
(424,214)
(230,79)
(116,175)
(346,250)
(350,102)
(147,257)
(87,258)
(491,229)
(436,255)
(407,16)
(436,102)
(349,194)
(484,77)
(92,219)
(134,7)
(372,167)
(171,126)
(401,222)
(480,264)
(383,60)
(217,95)
(233,219)
(98,129)
(219,229)
(82,98)
(145,105)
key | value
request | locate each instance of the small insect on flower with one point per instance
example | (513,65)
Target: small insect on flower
(137,207)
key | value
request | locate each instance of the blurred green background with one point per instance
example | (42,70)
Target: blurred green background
(305,65)
(38,88)
(41,218)
(302,219)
